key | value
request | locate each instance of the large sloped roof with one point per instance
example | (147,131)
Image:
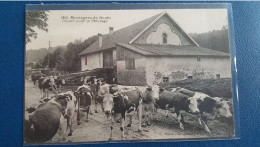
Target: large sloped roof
(172,50)
(123,35)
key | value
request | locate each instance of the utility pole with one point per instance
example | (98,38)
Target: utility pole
(48,54)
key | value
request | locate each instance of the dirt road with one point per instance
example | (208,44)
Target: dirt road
(97,128)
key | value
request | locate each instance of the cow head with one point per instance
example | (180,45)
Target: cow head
(92,80)
(50,81)
(103,89)
(113,89)
(73,97)
(223,108)
(108,103)
(63,101)
(67,99)
(192,105)
(152,93)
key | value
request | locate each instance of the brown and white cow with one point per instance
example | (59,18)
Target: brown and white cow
(71,109)
(119,104)
(208,106)
(42,124)
(201,102)
(84,97)
(213,107)
(58,83)
(47,84)
(180,102)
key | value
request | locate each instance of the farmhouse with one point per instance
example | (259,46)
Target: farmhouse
(154,50)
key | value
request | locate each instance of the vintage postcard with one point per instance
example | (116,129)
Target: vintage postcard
(135,75)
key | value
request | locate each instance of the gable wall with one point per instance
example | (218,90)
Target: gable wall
(156,37)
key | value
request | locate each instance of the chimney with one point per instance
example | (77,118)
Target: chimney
(100,40)
(111,30)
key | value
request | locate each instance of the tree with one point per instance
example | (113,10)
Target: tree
(54,60)
(36,66)
(35,19)
(216,40)
(71,59)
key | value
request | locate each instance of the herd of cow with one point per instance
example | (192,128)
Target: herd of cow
(42,121)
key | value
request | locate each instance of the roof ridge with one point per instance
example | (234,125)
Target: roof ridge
(137,22)
(146,28)
(115,36)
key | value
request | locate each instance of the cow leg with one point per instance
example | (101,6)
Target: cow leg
(156,114)
(130,121)
(47,93)
(140,116)
(95,102)
(179,117)
(102,107)
(78,113)
(204,122)
(90,108)
(144,119)
(41,93)
(206,127)
(149,115)
(167,114)
(199,119)
(147,118)
(122,120)
(62,129)
(69,125)
(88,111)
(111,127)
(182,118)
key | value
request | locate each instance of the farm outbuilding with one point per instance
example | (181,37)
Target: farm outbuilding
(152,51)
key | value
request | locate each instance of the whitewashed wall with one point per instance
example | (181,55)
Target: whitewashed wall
(95,60)
(177,68)
(156,36)
(153,35)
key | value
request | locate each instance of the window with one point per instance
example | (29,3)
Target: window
(165,79)
(198,58)
(130,64)
(122,53)
(164,38)
(218,76)
(86,60)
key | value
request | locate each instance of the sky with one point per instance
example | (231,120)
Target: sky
(61,31)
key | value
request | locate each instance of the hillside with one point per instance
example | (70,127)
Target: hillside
(39,54)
